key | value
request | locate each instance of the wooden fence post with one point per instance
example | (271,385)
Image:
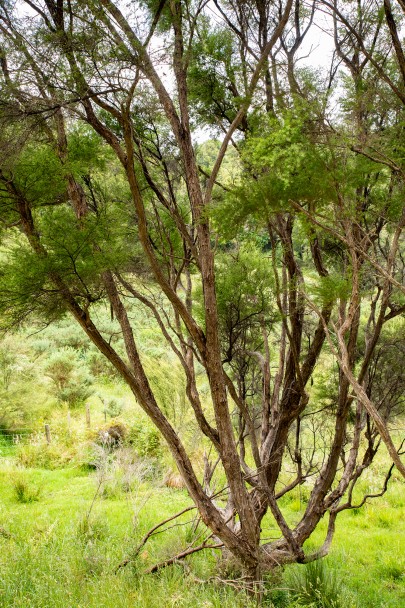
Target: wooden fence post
(48,433)
(88,422)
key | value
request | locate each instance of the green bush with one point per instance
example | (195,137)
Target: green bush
(122,471)
(275,593)
(72,382)
(145,439)
(23,393)
(44,456)
(114,407)
(88,456)
(100,367)
(7,447)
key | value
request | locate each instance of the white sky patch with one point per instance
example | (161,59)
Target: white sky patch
(318,45)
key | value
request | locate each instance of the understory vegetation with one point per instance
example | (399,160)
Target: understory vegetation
(74,510)
(55,553)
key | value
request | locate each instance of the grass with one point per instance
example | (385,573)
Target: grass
(24,490)
(58,551)
(54,556)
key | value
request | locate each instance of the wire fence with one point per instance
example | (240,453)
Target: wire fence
(27,435)
(21,434)
(17,432)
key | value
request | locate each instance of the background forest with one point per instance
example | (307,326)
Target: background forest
(202,302)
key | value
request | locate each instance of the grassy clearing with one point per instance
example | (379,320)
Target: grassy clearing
(53,555)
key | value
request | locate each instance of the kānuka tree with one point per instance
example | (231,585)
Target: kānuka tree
(270,257)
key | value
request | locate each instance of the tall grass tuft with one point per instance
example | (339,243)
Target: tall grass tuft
(24,490)
(316,586)
(92,529)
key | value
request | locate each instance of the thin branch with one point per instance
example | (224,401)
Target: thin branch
(151,532)
(182,555)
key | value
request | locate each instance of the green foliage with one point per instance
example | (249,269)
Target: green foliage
(100,367)
(24,286)
(23,398)
(122,471)
(8,365)
(113,407)
(290,166)
(91,528)
(145,439)
(86,152)
(72,382)
(245,296)
(7,447)
(230,171)
(166,18)
(245,284)
(212,76)
(53,558)
(329,289)
(38,454)
(38,173)
(387,380)
(78,256)
(325,388)
(37,167)
(392,568)
(67,336)
(283,163)
(168,383)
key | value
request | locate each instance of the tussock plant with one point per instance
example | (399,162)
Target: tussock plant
(25,491)
(316,586)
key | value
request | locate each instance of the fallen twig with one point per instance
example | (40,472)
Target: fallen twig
(147,536)
(182,555)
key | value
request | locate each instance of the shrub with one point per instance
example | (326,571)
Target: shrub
(100,367)
(112,435)
(122,471)
(114,407)
(43,456)
(275,593)
(7,447)
(70,377)
(23,394)
(145,439)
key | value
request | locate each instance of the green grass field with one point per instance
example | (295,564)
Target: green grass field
(54,554)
